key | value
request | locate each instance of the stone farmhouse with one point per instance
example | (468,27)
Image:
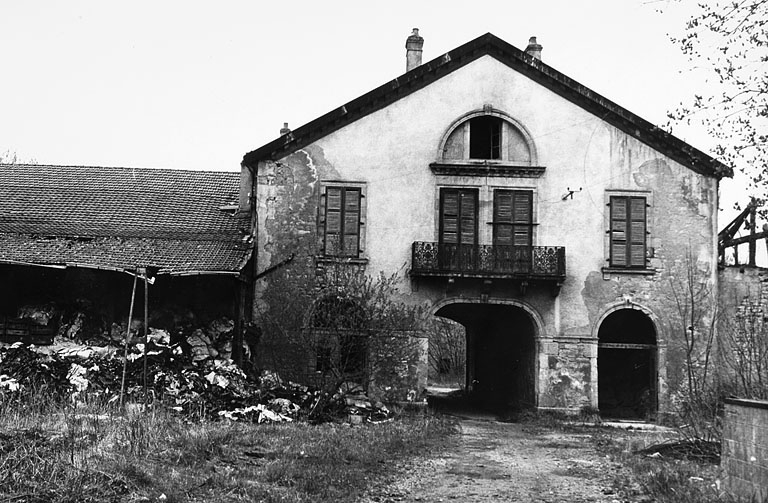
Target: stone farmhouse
(547,220)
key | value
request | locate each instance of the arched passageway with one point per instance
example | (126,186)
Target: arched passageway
(626,365)
(501,354)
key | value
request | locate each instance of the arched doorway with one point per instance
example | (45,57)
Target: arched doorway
(501,354)
(626,365)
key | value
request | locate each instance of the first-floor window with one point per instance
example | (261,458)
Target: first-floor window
(341,221)
(513,217)
(458,216)
(627,231)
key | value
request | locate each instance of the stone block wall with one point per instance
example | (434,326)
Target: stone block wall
(567,373)
(745,448)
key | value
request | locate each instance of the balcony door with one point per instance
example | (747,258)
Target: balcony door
(458,229)
(512,230)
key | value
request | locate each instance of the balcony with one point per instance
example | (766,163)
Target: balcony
(488,262)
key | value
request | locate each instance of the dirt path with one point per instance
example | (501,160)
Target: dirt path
(508,462)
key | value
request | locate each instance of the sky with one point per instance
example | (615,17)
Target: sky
(196,85)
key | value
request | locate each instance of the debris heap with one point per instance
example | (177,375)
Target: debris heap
(186,377)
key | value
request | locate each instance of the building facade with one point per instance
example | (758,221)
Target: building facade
(548,221)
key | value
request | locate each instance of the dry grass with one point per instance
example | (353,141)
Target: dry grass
(663,478)
(62,453)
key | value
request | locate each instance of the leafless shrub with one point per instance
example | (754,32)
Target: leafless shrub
(697,399)
(331,323)
(447,349)
(744,351)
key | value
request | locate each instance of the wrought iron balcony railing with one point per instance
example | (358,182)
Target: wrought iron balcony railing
(486,261)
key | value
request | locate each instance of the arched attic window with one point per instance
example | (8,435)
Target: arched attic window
(488,138)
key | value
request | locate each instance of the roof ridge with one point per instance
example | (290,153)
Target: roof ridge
(535,69)
(143,168)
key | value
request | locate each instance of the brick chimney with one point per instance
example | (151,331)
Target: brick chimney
(285,129)
(533,48)
(413,45)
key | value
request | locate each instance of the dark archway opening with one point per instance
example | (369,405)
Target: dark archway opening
(626,366)
(500,355)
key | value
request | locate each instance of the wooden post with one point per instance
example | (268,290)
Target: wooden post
(127,335)
(146,331)
(237,335)
(752,226)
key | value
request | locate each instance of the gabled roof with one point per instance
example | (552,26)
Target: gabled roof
(513,57)
(120,218)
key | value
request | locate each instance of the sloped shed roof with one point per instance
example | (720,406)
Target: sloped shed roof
(121,218)
(535,69)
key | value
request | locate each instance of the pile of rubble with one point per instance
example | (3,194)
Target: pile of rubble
(185,377)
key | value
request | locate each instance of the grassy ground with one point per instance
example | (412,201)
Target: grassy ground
(654,471)
(65,454)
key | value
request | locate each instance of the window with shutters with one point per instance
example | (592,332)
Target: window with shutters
(512,217)
(458,216)
(628,231)
(458,229)
(341,219)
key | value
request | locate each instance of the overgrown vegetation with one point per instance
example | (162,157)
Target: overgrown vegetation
(723,354)
(744,350)
(656,466)
(59,452)
(698,399)
(331,323)
(447,352)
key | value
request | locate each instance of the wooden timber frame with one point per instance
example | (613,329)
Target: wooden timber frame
(726,237)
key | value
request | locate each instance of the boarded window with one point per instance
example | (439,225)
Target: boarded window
(485,137)
(513,217)
(342,221)
(628,231)
(458,216)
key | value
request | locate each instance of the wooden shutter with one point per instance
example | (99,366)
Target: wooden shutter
(513,217)
(636,224)
(449,216)
(458,216)
(342,221)
(627,232)
(351,239)
(333,211)
(468,209)
(522,217)
(502,217)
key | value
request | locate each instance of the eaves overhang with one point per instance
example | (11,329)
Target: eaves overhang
(535,69)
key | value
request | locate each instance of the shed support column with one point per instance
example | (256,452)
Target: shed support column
(241,295)
(753,241)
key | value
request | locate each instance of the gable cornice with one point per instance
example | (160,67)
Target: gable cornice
(516,59)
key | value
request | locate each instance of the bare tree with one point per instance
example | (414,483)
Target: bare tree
(11,157)
(728,40)
(695,299)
